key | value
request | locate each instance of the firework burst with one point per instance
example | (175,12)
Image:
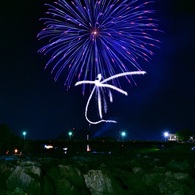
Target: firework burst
(92,37)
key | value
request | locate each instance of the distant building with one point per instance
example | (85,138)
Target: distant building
(172,137)
(192,138)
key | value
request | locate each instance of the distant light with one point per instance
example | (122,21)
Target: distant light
(166,134)
(48,146)
(16,151)
(123,133)
(65,150)
(24,134)
(88,148)
(70,133)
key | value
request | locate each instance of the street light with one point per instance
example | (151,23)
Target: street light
(24,134)
(123,134)
(70,134)
(166,135)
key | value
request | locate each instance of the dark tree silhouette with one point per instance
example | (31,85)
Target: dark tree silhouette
(184,135)
(8,140)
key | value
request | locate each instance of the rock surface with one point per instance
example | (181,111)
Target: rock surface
(98,183)
(97,175)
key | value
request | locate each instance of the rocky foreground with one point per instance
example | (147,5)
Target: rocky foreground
(142,172)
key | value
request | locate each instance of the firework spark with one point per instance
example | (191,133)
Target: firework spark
(99,85)
(87,38)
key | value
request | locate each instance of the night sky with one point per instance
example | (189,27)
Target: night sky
(30,100)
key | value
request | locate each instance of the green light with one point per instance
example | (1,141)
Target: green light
(123,134)
(70,133)
(24,134)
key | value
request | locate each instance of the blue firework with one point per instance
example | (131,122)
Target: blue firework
(91,37)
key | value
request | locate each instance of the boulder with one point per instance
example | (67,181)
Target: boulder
(64,179)
(98,183)
(182,166)
(25,177)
